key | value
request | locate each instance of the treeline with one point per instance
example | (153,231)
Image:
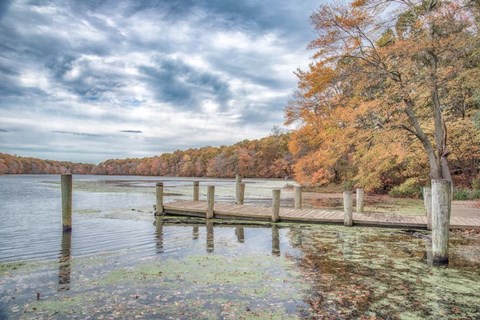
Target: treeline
(24,165)
(268,157)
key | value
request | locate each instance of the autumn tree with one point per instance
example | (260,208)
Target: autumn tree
(384,72)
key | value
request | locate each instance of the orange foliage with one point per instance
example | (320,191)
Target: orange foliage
(382,102)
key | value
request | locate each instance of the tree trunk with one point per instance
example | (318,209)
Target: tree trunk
(435,169)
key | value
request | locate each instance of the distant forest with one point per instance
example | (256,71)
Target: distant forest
(268,157)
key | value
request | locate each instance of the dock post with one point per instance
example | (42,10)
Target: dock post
(359,203)
(298,197)
(347,208)
(427,202)
(441,206)
(276,205)
(196,190)
(241,193)
(238,181)
(210,201)
(159,198)
(66,186)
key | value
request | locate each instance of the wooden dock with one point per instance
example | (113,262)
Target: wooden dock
(291,215)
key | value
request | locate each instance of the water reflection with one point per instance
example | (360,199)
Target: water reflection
(195,233)
(344,273)
(64,263)
(210,237)
(296,236)
(159,234)
(240,233)
(173,237)
(275,241)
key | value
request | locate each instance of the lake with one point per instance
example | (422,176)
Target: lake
(121,262)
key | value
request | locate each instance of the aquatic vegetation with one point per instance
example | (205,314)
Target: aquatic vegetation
(322,272)
(121,262)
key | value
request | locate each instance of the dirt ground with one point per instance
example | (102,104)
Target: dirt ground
(384,203)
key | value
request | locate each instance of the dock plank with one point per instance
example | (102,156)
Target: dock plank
(231,211)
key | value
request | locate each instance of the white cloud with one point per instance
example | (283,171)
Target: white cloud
(185,77)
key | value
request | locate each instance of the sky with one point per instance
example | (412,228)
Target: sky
(92,80)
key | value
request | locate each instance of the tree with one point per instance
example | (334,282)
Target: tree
(388,66)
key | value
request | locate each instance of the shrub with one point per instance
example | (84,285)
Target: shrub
(466,194)
(409,189)
(476,183)
(460,194)
(348,185)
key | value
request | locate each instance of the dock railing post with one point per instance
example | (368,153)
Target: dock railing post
(276,205)
(210,201)
(159,199)
(441,207)
(196,190)
(298,197)
(241,193)
(427,202)
(238,181)
(359,203)
(66,186)
(347,208)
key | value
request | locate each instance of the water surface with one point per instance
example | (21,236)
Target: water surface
(120,262)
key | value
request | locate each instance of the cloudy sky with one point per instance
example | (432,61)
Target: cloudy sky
(91,80)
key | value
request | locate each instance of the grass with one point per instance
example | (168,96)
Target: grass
(401,206)
(373,203)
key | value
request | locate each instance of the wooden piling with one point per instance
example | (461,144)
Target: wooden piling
(359,203)
(241,193)
(66,186)
(427,202)
(210,201)
(159,199)
(441,207)
(347,208)
(298,197)
(238,181)
(196,190)
(276,205)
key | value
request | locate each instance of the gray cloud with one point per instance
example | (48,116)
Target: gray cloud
(73,74)
(131,131)
(84,134)
(176,82)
